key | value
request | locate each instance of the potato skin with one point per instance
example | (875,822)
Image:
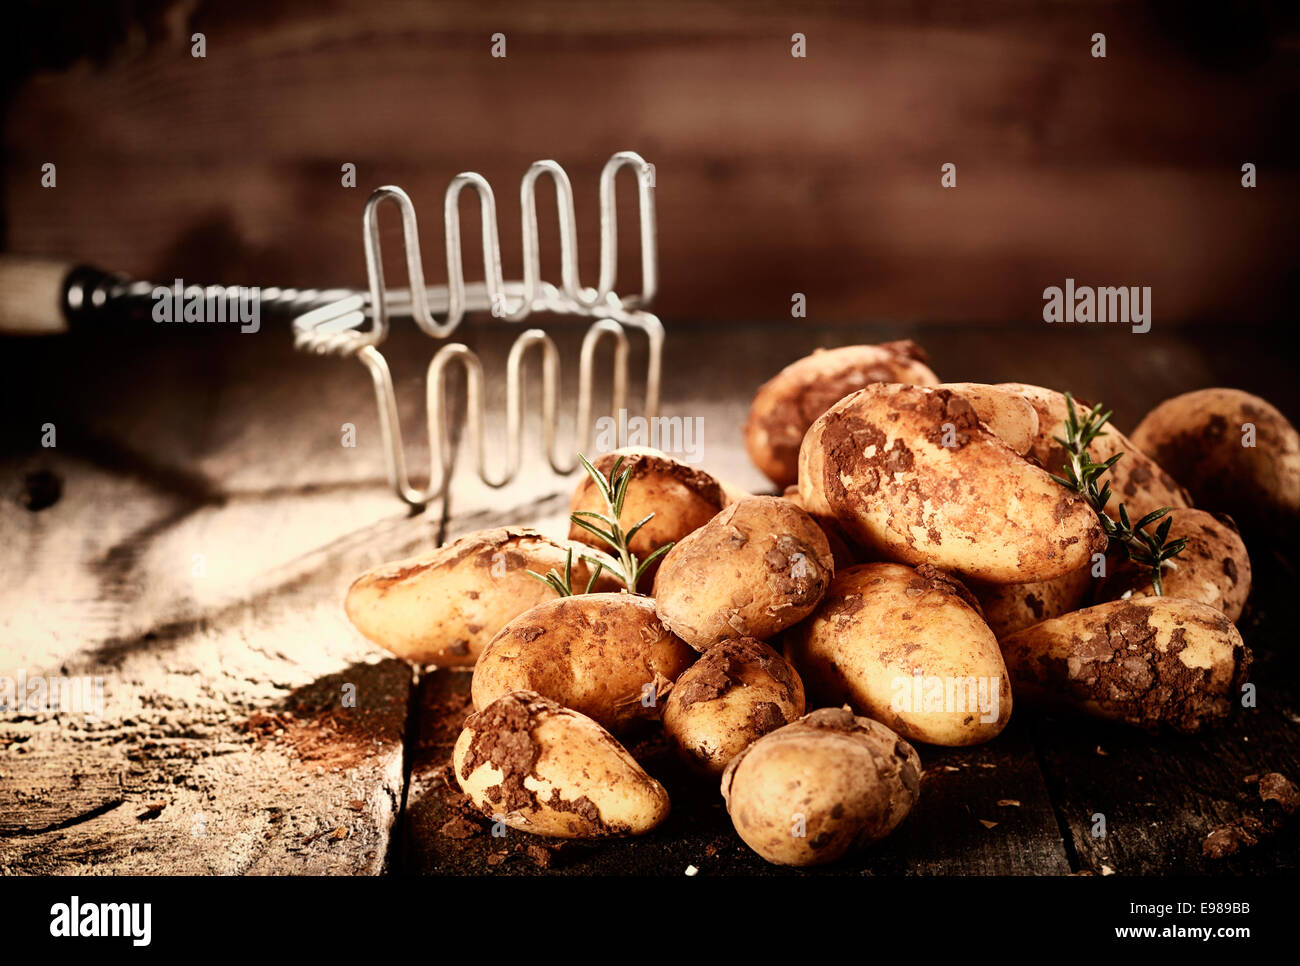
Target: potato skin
(882,624)
(728,699)
(1152,662)
(1137,480)
(1198,437)
(551,771)
(1013,607)
(843,781)
(788,403)
(681,498)
(759,566)
(444,606)
(1010,416)
(876,459)
(1213,568)
(594,653)
(843,551)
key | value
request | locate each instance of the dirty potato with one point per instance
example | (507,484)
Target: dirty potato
(604,655)
(1136,480)
(759,566)
(821,788)
(1008,414)
(551,771)
(787,404)
(1235,452)
(681,498)
(1213,568)
(1153,662)
(728,699)
(1013,607)
(444,606)
(907,647)
(914,476)
(843,551)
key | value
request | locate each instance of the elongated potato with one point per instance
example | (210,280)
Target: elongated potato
(907,647)
(552,771)
(1010,416)
(787,404)
(1213,568)
(913,476)
(1151,662)
(681,498)
(821,788)
(444,606)
(759,566)
(1137,480)
(728,699)
(604,655)
(1235,452)
(1013,607)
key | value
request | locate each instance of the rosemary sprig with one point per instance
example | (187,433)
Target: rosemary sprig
(1153,550)
(613,490)
(562,584)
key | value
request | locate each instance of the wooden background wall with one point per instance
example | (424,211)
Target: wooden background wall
(775,174)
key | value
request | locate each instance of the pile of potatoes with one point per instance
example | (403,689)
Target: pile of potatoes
(920,567)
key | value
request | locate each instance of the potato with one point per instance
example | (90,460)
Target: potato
(759,566)
(844,553)
(1013,607)
(913,476)
(444,606)
(787,404)
(732,696)
(1201,437)
(1213,568)
(818,789)
(1008,414)
(552,771)
(604,655)
(1151,662)
(907,647)
(681,498)
(1136,480)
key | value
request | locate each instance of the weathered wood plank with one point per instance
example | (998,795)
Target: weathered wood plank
(196,560)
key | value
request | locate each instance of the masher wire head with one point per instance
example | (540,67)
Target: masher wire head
(339,327)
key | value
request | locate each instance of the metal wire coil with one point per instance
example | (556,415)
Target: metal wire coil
(338,326)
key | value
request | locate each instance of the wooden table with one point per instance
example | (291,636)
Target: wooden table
(189,538)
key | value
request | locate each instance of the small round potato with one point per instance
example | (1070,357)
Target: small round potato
(759,566)
(681,498)
(1136,480)
(1213,568)
(907,647)
(1235,452)
(604,655)
(444,606)
(1154,662)
(1013,607)
(728,699)
(786,405)
(821,788)
(913,475)
(551,771)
